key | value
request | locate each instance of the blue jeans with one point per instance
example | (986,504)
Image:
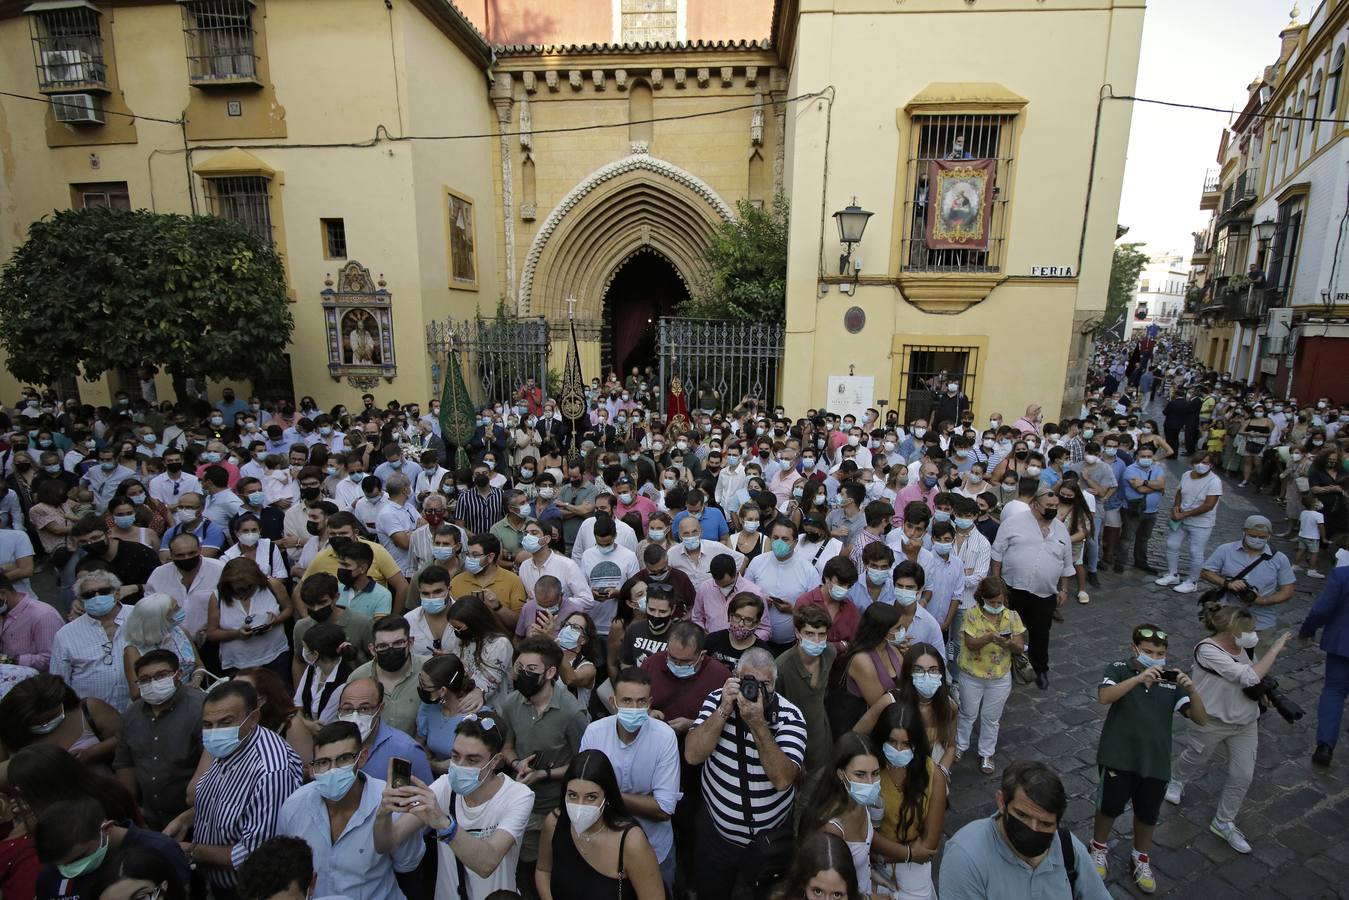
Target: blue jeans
(1330,708)
(1091,555)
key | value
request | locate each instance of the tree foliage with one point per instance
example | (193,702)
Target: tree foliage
(1125,267)
(745,273)
(101,289)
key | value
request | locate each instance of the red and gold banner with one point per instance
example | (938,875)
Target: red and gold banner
(960,203)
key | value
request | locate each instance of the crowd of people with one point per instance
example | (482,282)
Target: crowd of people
(282,652)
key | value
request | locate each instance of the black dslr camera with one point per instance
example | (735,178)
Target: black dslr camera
(749,688)
(1267,694)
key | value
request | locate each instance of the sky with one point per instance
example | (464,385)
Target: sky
(1194,51)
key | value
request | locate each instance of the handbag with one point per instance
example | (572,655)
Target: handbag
(1022,671)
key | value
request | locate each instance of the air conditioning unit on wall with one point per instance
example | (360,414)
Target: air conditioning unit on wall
(78,109)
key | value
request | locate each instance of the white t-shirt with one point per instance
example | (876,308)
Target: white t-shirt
(508,810)
(1309,525)
(1193,493)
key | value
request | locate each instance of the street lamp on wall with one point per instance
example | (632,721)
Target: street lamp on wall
(852,221)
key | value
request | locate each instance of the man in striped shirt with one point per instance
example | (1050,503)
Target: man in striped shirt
(239,797)
(752,752)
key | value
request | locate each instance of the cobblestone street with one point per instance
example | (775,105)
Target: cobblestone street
(1296,816)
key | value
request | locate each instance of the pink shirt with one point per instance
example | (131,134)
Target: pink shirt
(914,491)
(782,483)
(709,605)
(27,630)
(640,505)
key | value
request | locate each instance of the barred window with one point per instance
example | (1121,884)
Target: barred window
(112,194)
(219,40)
(925,370)
(68,48)
(649,21)
(970,137)
(243,199)
(334,238)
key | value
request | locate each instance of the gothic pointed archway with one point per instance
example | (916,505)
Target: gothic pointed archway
(636,203)
(643,288)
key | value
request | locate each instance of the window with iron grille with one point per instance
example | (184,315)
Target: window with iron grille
(972,137)
(243,199)
(110,194)
(68,48)
(648,21)
(334,238)
(925,372)
(219,40)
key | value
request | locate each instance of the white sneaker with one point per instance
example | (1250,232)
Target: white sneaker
(1173,792)
(1312,573)
(1083,597)
(1167,580)
(1229,832)
(1100,857)
(1186,587)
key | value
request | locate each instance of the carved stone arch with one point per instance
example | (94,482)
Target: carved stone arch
(633,202)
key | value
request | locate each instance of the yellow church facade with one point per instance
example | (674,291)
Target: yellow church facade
(470,160)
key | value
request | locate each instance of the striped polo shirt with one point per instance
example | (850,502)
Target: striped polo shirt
(734,774)
(240,796)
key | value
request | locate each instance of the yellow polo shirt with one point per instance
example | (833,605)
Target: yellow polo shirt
(507,587)
(382,569)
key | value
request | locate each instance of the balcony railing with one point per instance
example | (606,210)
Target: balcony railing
(1248,303)
(1240,193)
(1208,198)
(1211,181)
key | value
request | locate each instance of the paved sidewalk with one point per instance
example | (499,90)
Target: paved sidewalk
(1296,816)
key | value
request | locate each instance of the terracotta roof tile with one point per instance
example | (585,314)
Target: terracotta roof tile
(642,47)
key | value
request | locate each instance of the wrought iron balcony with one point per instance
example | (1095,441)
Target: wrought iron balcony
(1209,196)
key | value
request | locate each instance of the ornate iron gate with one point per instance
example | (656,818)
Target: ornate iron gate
(736,359)
(496,355)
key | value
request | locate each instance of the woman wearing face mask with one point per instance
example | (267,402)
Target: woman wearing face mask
(1223,668)
(1255,434)
(871,666)
(1296,482)
(1077,518)
(1328,481)
(1193,516)
(841,799)
(328,661)
(51,516)
(122,524)
(749,540)
(44,710)
(483,645)
(245,616)
(591,847)
(924,687)
(990,635)
(1151,436)
(581,647)
(659,531)
(443,685)
(263,552)
(156,623)
(477,814)
(1013,464)
(913,797)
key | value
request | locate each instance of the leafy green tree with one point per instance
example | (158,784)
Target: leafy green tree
(102,289)
(745,274)
(1125,268)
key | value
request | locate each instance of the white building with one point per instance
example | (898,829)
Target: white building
(1160,298)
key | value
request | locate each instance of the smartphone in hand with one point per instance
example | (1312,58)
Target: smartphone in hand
(400,772)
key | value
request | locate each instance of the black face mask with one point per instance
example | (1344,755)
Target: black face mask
(339,544)
(528,683)
(96,549)
(187,565)
(175,468)
(313,528)
(309,494)
(657,624)
(480,480)
(1021,454)
(462,635)
(391,660)
(426,696)
(1049,514)
(1024,839)
(346,577)
(321,613)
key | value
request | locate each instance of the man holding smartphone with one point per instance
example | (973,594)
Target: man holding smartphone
(1134,756)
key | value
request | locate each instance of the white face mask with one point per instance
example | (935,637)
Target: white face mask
(363,721)
(1247,639)
(583,816)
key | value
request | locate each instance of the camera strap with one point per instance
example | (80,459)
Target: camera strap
(1246,571)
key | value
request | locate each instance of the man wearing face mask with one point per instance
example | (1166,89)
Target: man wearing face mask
(238,798)
(1033,555)
(103,479)
(395,663)
(545,723)
(159,743)
(1253,576)
(344,798)
(81,849)
(1018,852)
(783,575)
(645,755)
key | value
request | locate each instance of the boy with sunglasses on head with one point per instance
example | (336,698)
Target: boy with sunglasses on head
(1134,756)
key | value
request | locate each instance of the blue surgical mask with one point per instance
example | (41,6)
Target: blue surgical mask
(531,543)
(680,671)
(605,550)
(357,477)
(632,719)
(569,637)
(1148,662)
(221,742)
(656,535)
(433,605)
(942,548)
(781,549)
(1256,543)
(473,564)
(124,521)
(1144,462)
(964,524)
(256,498)
(334,783)
(750,525)
(440,554)
(898,758)
(692,543)
(906,596)
(992,610)
(941,515)
(926,683)
(929,480)
(99,605)
(878,576)
(837,591)
(814,648)
(464,780)
(864,794)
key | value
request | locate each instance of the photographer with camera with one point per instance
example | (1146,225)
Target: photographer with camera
(1251,576)
(1227,678)
(751,743)
(1134,756)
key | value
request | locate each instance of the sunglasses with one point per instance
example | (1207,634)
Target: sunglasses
(1151,634)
